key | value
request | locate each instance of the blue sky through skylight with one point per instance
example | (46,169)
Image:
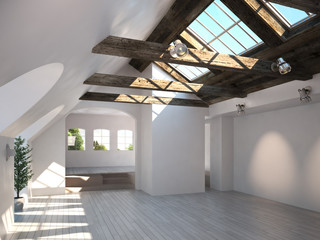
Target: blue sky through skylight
(290,16)
(220,30)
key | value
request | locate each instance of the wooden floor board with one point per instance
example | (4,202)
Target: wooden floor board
(131,214)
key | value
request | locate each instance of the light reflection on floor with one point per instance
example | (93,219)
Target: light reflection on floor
(52,217)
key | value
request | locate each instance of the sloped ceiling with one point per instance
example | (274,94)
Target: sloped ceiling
(35,33)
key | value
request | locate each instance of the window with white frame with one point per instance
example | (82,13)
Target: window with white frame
(101,139)
(76,139)
(125,140)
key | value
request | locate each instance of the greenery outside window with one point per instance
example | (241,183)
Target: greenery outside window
(79,142)
(125,140)
(101,139)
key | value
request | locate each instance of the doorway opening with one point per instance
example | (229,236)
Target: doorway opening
(100,150)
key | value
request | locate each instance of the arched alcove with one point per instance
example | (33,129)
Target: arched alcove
(22,93)
(100,166)
(37,126)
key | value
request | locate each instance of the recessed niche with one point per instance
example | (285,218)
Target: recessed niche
(37,126)
(22,93)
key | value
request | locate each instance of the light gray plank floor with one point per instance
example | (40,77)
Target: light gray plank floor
(99,170)
(131,214)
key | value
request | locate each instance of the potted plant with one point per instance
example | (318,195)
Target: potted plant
(22,170)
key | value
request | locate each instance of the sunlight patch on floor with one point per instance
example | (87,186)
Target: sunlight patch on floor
(52,217)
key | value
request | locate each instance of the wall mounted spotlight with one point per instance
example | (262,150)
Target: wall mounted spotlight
(282,66)
(179,49)
(240,109)
(304,94)
(9,152)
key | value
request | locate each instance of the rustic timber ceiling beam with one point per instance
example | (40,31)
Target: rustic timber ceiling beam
(305,5)
(307,40)
(160,85)
(192,42)
(259,19)
(179,16)
(124,47)
(175,74)
(137,99)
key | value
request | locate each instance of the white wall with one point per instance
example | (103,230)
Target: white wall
(6,188)
(146,149)
(177,145)
(207,146)
(275,145)
(92,158)
(221,160)
(277,155)
(178,150)
(48,161)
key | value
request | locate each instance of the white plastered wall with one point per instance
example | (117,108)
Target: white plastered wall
(146,149)
(277,155)
(275,145)
(177,145)
(48,161)
(92,158)
(6,188)
(178,150)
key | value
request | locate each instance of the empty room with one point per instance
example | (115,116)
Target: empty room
(160,119)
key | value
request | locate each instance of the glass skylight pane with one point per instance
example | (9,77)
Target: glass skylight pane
(219,47)
(227,10)
(219,16)
(194,70)
(190,72)
(210,24)
(203,70)
(250,32)
(291,14)
(246,40)
(201,31)
(231,43)
(222,31)
(184,70)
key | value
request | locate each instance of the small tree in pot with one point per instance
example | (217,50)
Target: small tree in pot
(22,169)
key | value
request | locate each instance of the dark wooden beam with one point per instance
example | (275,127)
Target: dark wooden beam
(305,5)
(175,74)
(161,85)
(192,42)
(288,50)
(131,48)
(137,99)
(259,19)
(179,16)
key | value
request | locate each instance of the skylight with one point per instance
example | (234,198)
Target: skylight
(220,30)
(290,16)
(190,72)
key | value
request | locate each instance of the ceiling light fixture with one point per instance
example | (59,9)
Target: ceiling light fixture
(304,94)
(179,49)
(282,66)
(240,109)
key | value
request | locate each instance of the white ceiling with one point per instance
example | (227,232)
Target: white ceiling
(35,33)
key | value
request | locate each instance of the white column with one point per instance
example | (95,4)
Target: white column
(221,163)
